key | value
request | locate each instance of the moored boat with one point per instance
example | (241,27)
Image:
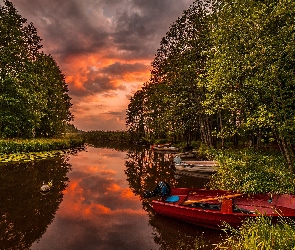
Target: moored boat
(164,147)
(196,174)
(196,166)
(210,208)
(186,155)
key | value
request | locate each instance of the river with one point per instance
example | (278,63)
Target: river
(95,203)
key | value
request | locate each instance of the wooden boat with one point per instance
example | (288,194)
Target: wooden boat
(196,174)
(210,208)
(186,155)
(160,145)
(197,166)
(163,147)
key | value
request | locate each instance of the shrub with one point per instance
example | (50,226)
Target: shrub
(260,234)
(252,172)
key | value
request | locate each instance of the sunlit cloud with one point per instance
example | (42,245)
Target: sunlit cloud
(103,47)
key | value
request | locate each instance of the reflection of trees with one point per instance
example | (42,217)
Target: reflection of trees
(144,169)
(119,146)
(26,213)
(173,234)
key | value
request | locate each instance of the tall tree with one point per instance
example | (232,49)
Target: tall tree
(180,64)
(135,114)
(56,109)
(173,103)
(251,75)
(32,86)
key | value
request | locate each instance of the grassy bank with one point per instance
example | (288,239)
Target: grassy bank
(261,234)
(30,149)
(250,171)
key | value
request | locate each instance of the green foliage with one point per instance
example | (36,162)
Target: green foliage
(33,92)
(169,105)
(249,171)
(260,234)
(250,78)
(70,128)
(120,140)
(224,70)
(31,149)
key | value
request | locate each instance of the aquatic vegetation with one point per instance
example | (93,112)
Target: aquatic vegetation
(34,149)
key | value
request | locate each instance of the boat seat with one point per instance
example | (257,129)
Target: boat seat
(172,198)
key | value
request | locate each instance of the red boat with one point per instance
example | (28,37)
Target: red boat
(210,208)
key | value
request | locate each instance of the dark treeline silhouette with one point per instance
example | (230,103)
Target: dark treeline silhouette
(33,93)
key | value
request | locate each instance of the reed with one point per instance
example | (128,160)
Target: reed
(247,171)
(38,145)
(260,234)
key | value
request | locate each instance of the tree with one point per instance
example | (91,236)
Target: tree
(32,87)
(56,109)
(251,73)
(179,63)
(135,114)
(174,93)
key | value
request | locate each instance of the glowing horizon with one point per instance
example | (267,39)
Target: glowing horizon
(104,49)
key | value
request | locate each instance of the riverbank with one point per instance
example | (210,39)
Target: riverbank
(31,149)
(252,172)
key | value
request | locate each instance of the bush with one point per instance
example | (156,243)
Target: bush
(252,172)
(260,233)
(38,145)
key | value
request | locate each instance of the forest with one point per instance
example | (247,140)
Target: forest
(34,97)
(224,74)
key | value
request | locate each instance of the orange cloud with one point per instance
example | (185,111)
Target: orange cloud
(127,193)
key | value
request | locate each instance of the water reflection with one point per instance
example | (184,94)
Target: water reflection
(96,203)
(144,169)
(173,234)
(25,212)
(99,211)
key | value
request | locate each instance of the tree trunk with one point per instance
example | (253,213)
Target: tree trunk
(287,151)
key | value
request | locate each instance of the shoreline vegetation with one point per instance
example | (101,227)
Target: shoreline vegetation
(241,169)
(18,150)
(226,89)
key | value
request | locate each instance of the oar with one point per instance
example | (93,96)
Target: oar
(211,199)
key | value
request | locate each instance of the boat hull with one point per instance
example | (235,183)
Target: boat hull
(223,209)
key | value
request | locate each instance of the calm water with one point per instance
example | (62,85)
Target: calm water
(95,203)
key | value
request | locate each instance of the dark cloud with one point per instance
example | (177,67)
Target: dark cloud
(139,29)
(101,45)
(76,27)
(105,79)
(99,84)
(77,92)
(66,27)
(119,114)
(118,69)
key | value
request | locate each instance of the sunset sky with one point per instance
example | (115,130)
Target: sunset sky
(104,48)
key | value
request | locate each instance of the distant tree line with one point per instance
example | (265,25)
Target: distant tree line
(224,73)
(109,139)
(34,100)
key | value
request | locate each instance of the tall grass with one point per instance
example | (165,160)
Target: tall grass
(260,234)
(249,171)
(38,145)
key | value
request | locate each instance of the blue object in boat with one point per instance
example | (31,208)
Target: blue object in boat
(172,198)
